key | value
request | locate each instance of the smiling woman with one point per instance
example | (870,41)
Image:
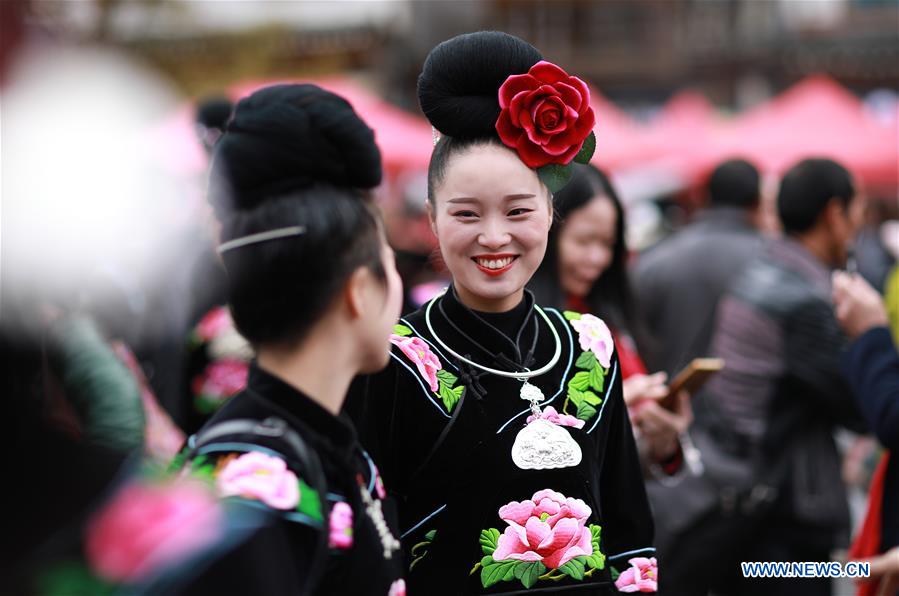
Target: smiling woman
(500,425)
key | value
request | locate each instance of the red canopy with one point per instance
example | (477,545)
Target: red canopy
(815,117)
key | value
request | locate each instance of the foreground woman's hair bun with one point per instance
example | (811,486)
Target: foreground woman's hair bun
(457,89)
(286,138)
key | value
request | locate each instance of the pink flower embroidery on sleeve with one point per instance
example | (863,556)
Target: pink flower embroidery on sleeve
(419,352)
(550,414)
(215,322)
(148,526)
(594,336)
(259,476)
(341,526)
(641,576)
(397,588)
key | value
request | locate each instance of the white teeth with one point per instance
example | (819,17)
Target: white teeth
(494,263)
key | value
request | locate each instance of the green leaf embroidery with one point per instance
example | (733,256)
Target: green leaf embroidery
(576,397)
(402,330)
(587,149)
(73,579)
(571,315)
(430,535)
(310,504)
(597,560)
(447,377)
(497,571)
(580,381)
(615,574)
(583,397)
(489,539)
(555,176)
(529,572)
(591,398)
(585,412)
(586,360)
(574,568)
(449,397)
(597,378)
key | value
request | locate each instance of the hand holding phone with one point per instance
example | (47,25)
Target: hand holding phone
(691,378)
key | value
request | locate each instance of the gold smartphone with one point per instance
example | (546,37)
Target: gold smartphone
(691,378)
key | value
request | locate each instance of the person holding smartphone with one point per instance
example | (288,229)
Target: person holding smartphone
(585,270)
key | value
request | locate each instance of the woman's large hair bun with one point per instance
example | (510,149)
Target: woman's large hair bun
(288,137)
(459,84)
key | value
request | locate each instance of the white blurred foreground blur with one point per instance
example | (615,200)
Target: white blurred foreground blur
(85,195)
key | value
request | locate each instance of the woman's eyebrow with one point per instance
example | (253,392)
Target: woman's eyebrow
(457,200)
(519,196)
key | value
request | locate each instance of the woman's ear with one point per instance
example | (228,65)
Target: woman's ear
(355,290)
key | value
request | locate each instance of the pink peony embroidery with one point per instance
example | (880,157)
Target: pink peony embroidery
(214,323)
(642,576)
(595,337)
(222,379)
(549,528)
(420,353)
(145,527)
(397,588)
(341,524)
(259,476)
(550,413)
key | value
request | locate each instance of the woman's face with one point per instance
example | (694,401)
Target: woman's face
(491,215)
(586,245)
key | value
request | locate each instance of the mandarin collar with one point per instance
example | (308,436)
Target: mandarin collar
(324,426)
(491,331)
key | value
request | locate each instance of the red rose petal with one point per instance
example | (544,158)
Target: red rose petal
(555,111)
(508,133)
(518,105)
(514,85)
(584,91)
(547,72)
(570,96)
(532,155)
(525,121)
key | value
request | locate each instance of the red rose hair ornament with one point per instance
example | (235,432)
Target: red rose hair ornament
(547,118)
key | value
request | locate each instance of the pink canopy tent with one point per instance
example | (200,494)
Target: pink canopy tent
(815,117)
(620,141)
(404,139)
(685,125)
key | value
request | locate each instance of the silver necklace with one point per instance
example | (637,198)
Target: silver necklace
(540,445)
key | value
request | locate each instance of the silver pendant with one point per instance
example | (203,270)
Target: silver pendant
(542,445)
(531,393)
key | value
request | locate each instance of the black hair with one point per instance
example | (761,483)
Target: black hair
(806,190)
(458,91)
(294,155)
(611,297)
(734,183)
(214,112)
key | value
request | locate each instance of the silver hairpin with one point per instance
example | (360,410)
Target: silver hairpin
(435,134)
(261,237)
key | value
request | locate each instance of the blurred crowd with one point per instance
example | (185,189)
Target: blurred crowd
(117,343)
